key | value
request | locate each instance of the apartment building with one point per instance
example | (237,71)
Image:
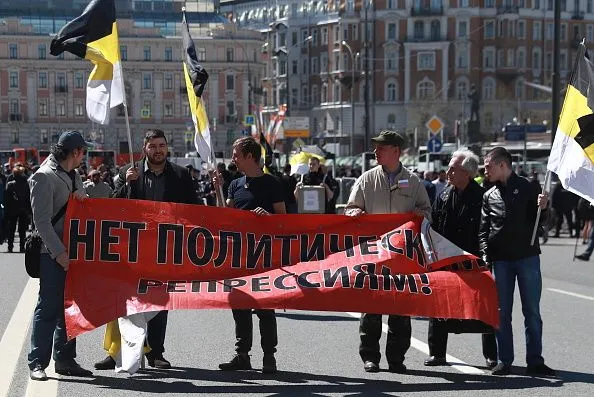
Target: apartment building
(423,57)
(41,95)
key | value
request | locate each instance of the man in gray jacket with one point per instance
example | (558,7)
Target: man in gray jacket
(387,189)
(50,188)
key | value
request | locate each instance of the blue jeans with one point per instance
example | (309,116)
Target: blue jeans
(527,271)
(48,318)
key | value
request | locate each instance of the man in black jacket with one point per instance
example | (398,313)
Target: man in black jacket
(507,221)
(456,215)
(317,176)
(154,179)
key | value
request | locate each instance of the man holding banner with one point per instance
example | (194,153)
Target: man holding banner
(387,188)
(263,194)
(155,179)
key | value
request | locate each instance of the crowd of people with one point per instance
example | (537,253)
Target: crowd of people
(493,223)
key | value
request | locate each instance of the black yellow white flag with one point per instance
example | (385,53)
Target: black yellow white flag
(196,78)
(94,36)
(572,154)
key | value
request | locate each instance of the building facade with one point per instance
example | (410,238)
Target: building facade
(42,95)
(418,58)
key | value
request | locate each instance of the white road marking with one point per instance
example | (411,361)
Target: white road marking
(15,334)
(590,298)
(454,362)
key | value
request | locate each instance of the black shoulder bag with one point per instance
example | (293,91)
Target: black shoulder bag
(33,244)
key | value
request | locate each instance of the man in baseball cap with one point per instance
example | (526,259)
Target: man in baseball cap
(71,140)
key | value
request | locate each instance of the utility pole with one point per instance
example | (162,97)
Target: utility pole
(556,67)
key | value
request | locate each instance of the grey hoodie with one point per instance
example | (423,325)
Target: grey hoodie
(50,189)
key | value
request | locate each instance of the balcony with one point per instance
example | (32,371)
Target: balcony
(426,39)
(421,11)
(507,74)
(578,15)
(509,9)
(15,117)
(61,88)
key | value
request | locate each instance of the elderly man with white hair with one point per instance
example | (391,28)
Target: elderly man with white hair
(456,215)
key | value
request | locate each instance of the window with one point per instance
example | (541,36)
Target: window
(147,81)
(488,89)
(435,33)
(461,89)
(521,29)
(43,107)
(337,34)
(14,106)
(124,52)
(391,61)
(426,61)
(536,4)
(488,58)
(294,94)
(304,64)
(61,80)
(147,53)
(324,63)
(168,81)
(419,30)
(230,79)
(536,27)
(13,51)
(324,36)
(314,37)
(589,6)
(462,59)
(42,80)
(294,38)
(282,68)
(391,92)
(590,33)
(563,59)
(304,97)
(336,94)
(201,54)
(462,29)
(462,3)
(168,109)
(61,108)
(563,32)
(391,31)
(315,97)
(391,4)
(14,135)
(425,89)
(489,30)
(355,32)
(78,80)
(536,58)
(41,51)
(324,93)
(230,109)
(521,58)
(282,39)
(548,61)
(78,109)
(500,58)
(230,53)
(294,67)
(550,32)
(511,58)
(14,80)
(43,136)
(314,65)
(168,54)
(336,62)
(392,121)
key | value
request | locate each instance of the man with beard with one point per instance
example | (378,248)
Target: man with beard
(263,194)
(389,188)
(154,178)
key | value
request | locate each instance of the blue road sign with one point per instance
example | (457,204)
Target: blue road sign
(516,132)
(434,145)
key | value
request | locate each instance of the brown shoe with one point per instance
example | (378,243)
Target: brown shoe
(158,362)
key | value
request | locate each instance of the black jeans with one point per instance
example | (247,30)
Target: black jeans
(155,337)
(398,341)
(11,223)
(569,216)
(438,341)
(244,330)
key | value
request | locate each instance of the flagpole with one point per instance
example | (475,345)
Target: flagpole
(124,102)
(547,187)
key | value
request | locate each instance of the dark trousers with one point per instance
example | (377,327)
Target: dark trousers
(244,330)
(48,319)
(569,216)
(11,223)
(438,341)
(398,341)
(156,328)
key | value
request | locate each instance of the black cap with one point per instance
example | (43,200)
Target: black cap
(71,140)
(389,137)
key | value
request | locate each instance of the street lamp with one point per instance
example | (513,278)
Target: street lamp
(353,62)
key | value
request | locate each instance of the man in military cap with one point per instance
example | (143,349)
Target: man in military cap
(386,189)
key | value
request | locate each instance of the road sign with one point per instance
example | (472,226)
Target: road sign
(434,124)
(249,119)
(296,127)
(434,145)
(516,132)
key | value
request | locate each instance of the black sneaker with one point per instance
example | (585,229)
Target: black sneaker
(239,362)
(370,366)
(71,368)
(158,362)
(540,370)
(491,363)
(502,369)
(37,373)
(269,364)
(583,257)
(106,363)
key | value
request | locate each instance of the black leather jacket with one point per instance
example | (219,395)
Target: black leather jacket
(507,220)
(460,227)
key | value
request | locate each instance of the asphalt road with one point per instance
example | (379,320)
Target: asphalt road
(317,353)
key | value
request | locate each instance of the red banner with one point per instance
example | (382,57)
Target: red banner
(133,256)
